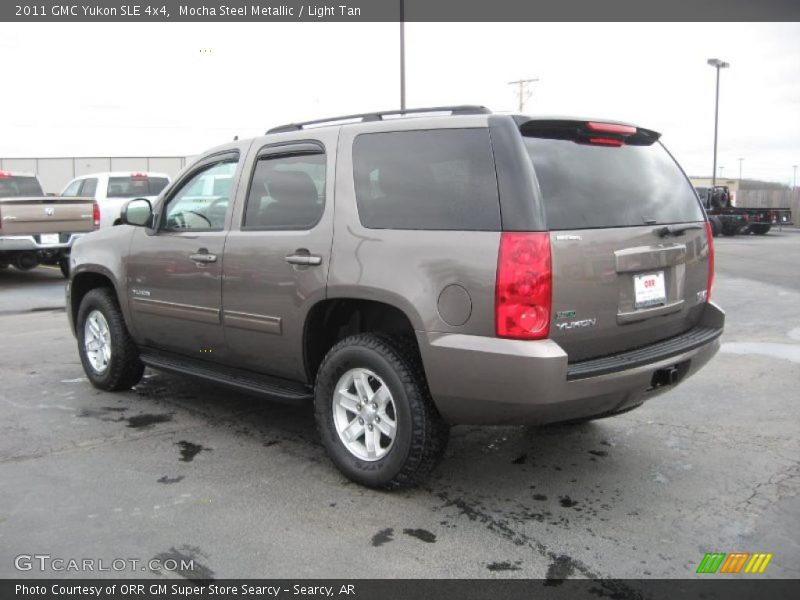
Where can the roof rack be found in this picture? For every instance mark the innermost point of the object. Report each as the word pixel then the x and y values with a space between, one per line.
pixel 380 116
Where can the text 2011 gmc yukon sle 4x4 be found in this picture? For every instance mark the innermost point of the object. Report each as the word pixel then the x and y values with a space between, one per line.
pixel 412 273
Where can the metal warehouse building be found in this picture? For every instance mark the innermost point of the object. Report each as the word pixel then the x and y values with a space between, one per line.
pixel 55 173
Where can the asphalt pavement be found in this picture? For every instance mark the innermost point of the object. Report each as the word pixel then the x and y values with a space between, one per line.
pixel 177 468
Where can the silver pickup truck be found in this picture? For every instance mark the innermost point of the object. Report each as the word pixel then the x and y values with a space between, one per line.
pixel 37 229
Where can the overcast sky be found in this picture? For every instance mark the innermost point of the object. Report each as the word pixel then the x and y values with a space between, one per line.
pixel 129 89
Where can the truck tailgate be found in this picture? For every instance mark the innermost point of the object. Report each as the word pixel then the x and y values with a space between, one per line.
pixel 25 216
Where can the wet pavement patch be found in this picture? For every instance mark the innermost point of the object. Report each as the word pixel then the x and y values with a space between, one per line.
pixel 504 566
pixel 186 555
pixel 520 460
pixel 382 537
pixel 166 479
pixel 567 502
pixel 139 421
pixel 421 534
pixel 560 569
pixel 190 450
pixel 598 452
pixel 540 497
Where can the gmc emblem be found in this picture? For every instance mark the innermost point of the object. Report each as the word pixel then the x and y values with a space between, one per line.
pixel 49 211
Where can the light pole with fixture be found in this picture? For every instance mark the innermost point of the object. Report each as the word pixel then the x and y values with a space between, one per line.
pixel 718 65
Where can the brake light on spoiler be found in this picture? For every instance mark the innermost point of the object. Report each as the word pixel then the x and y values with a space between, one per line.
pixel 616 133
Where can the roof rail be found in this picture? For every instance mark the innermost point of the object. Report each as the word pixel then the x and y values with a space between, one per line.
pixel 379 116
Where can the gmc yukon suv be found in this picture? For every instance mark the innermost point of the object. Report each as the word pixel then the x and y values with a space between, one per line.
pixel 409 271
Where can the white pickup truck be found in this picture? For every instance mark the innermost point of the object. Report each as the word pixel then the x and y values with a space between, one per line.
pixel 35 228
pixel 113 189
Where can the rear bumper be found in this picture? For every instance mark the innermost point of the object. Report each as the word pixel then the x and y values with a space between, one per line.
pixel 19 243
pixel 493 381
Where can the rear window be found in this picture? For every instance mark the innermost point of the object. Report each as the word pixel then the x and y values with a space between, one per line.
pixel 133 187
pixel 13 186
pixel 439 179
pixel 586 186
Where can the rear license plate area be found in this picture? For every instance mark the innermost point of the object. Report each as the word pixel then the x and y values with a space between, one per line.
pixel 649 290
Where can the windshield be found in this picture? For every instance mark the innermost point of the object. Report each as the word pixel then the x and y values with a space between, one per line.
pixel 14 186
pixel 133 187
pixel 587 186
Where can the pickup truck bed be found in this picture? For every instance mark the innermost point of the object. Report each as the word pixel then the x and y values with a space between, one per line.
pixel 36 230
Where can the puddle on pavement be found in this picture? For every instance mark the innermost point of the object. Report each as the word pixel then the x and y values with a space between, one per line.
pixel 790 352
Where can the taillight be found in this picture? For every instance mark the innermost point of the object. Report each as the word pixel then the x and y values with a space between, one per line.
pixel 523 293
pixel 96 215
pixel 710 242
pixel 611 128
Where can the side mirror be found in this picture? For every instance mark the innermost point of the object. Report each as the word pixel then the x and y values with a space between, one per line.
pixel 137 212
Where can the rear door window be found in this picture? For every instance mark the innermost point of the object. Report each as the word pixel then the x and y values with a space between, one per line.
pixel 587 186
pixel 89 187
pixel 286 193
pixel 135 186
pixel 440 179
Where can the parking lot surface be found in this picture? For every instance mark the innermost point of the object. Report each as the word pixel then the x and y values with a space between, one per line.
pixel 178 468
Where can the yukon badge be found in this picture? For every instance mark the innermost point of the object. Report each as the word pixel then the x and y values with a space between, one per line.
pixel 581 324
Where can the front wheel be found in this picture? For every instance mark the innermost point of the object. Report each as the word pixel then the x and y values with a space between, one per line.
pixel 109 356
pixel 760 229
pixel 375 414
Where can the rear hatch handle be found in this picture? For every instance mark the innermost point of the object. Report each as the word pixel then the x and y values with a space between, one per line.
pixel 676 230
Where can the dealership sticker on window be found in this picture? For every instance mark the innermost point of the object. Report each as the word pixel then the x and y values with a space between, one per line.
pixel 649 289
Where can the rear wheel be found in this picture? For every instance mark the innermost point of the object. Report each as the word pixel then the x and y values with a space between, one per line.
pixel 760 229
pixel 375 414
pixel 716 226
pixel 110 358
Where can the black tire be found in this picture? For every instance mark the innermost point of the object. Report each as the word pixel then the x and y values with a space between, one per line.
pixel 124 369
pixel 760 229
pixel 422 434
pixel 729 231
pixel 63 264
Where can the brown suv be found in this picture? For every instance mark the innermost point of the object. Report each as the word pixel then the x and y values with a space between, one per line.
pixel 409 274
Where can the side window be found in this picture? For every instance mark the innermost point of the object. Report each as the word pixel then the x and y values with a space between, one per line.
pixel 286 192
pixel 200 204
pixel 89 187
pixel 435 179
pixel 72 189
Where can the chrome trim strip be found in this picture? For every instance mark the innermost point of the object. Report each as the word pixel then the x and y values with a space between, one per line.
pixel 175 310
pixel 252 322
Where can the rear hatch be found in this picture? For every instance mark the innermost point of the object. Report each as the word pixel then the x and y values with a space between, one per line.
pixel 628 241
pixel 30 216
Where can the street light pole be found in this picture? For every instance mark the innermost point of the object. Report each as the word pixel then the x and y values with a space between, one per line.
pixel 740 172
pixel 718 65
pixel 402 55
pixel 794 177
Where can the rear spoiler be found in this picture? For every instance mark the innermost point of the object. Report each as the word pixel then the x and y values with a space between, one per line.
pixel 595 131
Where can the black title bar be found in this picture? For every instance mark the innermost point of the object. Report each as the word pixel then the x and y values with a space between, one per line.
pixel 389 10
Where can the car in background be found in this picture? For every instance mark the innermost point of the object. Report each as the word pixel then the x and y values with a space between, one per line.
pixel 111 190
pixel 38 229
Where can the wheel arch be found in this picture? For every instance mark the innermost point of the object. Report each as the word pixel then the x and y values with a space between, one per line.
pixel 333 319
pixel 86 279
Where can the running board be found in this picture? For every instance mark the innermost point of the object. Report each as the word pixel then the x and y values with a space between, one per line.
pixel 274 388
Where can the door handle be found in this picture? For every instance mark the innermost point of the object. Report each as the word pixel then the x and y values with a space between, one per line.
pixel 203 256
pixel 307 260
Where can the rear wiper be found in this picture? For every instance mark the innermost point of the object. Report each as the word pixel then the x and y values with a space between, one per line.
pixel 676 229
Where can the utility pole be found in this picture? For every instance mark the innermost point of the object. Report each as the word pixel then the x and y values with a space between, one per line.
pixel 718 65
pixel 794 178
pixel 740 172
pixel 402 55
pixel 523 93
